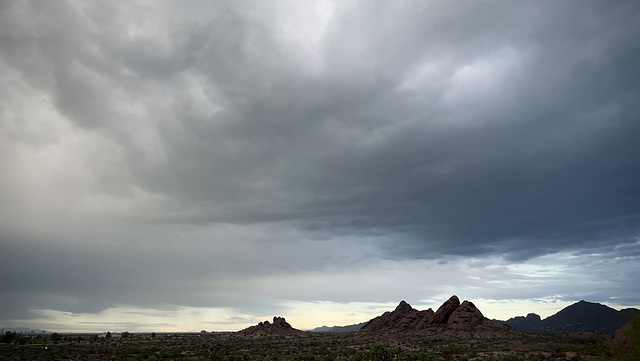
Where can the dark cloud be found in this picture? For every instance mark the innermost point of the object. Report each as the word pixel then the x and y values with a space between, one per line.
pixel 414 131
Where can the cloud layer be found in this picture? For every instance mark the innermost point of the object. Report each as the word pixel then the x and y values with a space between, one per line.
pixel 160 154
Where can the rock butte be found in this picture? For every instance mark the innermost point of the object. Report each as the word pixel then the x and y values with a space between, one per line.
pixel 279 327
pixel 452 314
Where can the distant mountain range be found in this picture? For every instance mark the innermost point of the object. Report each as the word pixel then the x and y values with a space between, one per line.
pixel 22 330
pixel 334 329
pixel 457 317
pixel 582 316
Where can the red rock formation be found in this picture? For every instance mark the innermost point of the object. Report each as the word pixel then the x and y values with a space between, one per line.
pixel 426 317
pixel 442 314
pixel 465 317
pixel 279 327
pixel 403 317
pixel 451 316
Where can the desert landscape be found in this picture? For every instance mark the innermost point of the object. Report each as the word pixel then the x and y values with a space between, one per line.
pixel 455 331
pixel 320 180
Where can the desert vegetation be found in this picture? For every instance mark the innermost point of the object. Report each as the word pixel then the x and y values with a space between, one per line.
pixel 395 345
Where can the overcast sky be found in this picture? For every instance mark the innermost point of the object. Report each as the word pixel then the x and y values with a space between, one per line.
pixel 188 165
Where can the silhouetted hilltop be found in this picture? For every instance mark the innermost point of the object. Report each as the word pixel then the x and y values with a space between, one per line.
pixel 530 323
pixel 336 329
pixel 452 318
pixel 403 317
pixel 582 316
pixel 629 313
pixel 279 327
pixel 23 330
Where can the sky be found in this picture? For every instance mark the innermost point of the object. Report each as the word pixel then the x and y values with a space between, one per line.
pixel 207 165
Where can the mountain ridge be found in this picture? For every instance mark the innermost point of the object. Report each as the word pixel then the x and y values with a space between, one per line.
pixel 452 318
pixel 581 316
pixel 337 329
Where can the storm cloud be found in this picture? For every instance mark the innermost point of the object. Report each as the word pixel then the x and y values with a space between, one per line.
pixel 187 154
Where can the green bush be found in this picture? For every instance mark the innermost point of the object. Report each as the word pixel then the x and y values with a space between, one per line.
pixel 630 351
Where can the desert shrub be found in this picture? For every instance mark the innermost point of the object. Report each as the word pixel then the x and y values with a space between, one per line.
pixel 451 350
pixel 378 353
pixel 416 356
pixel 537 358
pixel 631 349
pixel 513 357
pixel 14 337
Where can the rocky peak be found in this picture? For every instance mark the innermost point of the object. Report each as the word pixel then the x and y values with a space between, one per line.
pixel 466 316
pixel 452 316
pixel 404 316
pixel 533 317
pixel 426 316
pixel 279 327
pixel 404 307
pixel 442 314
pixel 280 321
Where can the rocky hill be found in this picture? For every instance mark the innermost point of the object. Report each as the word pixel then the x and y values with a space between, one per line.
pixel 629 313
pixel 279 327
pixel 403 317
pixel 580 317
pixel 451 317
pixel 531 323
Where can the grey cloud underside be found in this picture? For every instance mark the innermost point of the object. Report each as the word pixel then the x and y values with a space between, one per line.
pixel 545 161
pixel 156 272
pixel 414 130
